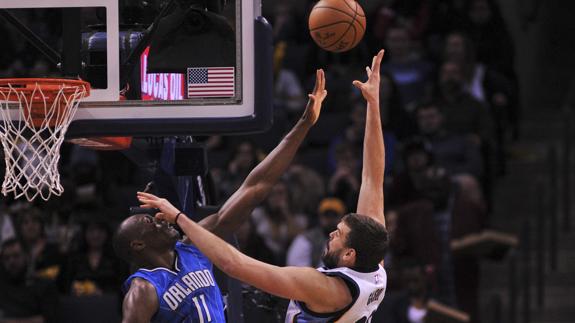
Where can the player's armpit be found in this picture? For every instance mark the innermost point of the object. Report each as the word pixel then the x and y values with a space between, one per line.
pixel 140 303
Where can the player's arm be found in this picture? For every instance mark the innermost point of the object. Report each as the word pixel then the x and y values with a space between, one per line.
pixel 140 302
pixel 263 177
pixel 307 285
pixel 371 200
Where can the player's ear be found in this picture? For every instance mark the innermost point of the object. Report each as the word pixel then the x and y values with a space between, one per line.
pixel 349 256
pixel 137 245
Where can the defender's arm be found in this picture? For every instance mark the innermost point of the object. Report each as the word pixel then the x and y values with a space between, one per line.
pixel 262 178
pixel 140 303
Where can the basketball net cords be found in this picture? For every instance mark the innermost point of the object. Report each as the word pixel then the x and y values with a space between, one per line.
pixel 32 152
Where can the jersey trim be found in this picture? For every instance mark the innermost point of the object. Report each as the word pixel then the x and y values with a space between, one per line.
pixel 353 289
pixel 164 268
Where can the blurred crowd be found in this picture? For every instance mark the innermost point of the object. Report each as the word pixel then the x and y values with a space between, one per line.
pixel 449 105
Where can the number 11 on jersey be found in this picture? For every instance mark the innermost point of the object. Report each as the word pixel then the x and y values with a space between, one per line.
pixel 208 317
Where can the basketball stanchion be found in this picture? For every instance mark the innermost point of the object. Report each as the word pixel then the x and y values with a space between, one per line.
pixel 36 113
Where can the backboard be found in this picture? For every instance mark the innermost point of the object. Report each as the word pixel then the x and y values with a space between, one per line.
pixel 160 67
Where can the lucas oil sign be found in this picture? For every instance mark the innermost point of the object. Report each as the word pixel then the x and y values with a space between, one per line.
pixel 160 86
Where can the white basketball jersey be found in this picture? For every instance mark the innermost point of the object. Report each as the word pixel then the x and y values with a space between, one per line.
pixel 367 290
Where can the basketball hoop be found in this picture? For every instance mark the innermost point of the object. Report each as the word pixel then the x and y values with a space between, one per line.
pixel 35 114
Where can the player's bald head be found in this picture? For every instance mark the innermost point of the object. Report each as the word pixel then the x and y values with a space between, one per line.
pixel 128 231
pixel 142 237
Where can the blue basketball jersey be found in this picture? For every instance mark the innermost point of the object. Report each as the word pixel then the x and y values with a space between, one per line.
pixel 189 294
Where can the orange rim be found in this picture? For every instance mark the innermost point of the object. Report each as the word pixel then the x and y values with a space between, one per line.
pixel 25 85
pixel 40 92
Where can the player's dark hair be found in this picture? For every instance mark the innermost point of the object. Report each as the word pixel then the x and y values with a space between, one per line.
pixel 369 239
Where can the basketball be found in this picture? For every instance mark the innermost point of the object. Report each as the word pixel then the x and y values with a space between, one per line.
pixel 337 25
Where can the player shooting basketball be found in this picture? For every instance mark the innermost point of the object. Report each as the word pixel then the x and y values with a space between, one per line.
pixel 175 281
pixel 352 285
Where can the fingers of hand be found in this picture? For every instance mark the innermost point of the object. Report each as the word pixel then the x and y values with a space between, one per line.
pixel 376 63
pixel 377 60
pixel 358 84
pixel 368 70
pixel 147 195
pixel 147 199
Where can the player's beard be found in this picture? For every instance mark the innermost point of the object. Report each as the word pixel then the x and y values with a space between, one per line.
pixel 330 259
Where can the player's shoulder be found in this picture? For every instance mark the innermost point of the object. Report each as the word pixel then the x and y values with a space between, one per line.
pixel 346 272
pixel 141 291
pixel 185 243
pixel 140 302
pixel 141 285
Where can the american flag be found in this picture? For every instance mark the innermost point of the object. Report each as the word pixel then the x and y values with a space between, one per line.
pixel 211 82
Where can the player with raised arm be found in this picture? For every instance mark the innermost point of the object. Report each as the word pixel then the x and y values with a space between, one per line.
pixel 352 285
pixel 174 282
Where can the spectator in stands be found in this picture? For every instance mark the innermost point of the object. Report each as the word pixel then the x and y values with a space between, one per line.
pixel 307 248
pixel 412 74
pixel 453 215
pixel 495 47
pixel 45 257
pixel 480 81
pixel 23 299
pixel 488 31
pixel 451 151
pixel 463 114
pixel 287 23
pixel 252 244
pixel 276 223
pixel 485 84
pixel 410 306
pixel 345 181
pixel 395 117
pixel 351 136
pixel 243 160
pixel 417 156
pixel 307 188
pixel 288 92
pixel 415 15
pixel 93 269
pixel 413 244
pixel 460 157
pixel 444 17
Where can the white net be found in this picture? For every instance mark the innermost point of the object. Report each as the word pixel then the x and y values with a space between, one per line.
pixel 34 123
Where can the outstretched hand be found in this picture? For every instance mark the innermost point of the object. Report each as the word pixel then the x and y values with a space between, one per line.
pixel 316 98
pixel 168 212
pixel 370 88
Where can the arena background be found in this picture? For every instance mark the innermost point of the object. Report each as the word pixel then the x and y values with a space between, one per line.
pixel 523 190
